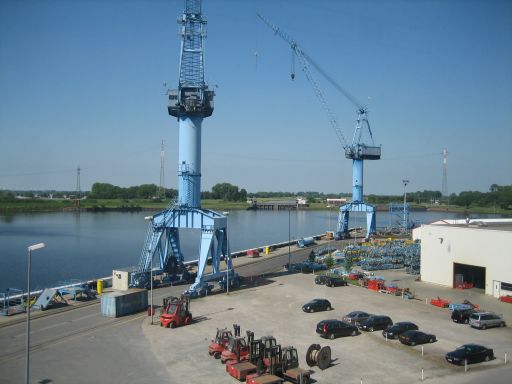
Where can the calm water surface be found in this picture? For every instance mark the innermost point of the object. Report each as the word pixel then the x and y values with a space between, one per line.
pixel 89 245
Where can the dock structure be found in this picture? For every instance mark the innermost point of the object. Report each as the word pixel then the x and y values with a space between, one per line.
pixel 277 205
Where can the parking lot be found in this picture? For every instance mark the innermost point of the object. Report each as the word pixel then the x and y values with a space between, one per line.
pixel 273 307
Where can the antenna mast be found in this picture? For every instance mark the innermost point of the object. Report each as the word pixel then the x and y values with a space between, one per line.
pixel 444 190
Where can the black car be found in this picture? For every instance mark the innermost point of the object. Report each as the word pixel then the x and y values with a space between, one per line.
pixel 335 282
pixel 462 315
pixel 416 337
pixel 355 317
pixel 375 322
pixel 470 353
pixel 334 328
pixel 321 279
pixel 396 329
pixel 317 305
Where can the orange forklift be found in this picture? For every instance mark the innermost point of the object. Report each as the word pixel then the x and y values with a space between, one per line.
pixel 284 365
pixel 258 358
pixel 176 312
pixel 220 342
pixel 237 349
pixel 240 369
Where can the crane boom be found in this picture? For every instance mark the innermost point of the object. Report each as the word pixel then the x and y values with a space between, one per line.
pixel 355 150
pixel 303 61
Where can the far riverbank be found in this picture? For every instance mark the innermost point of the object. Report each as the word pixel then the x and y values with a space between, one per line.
pixel 137 205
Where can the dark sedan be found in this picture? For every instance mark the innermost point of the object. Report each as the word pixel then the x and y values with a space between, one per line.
pixel 462 315
pixel 396 329
pixel 335 328
pixel 316 305
pixel 470 353
pixel 336 282
pixel 321 279
pixel 375 322
pixel 416 337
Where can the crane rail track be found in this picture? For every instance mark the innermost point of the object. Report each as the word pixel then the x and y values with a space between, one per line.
pixel 20 352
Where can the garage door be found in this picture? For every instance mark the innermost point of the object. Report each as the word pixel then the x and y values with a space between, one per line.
pixel 469 274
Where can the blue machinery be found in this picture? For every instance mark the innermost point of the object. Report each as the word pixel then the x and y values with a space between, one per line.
pixel 357 151
pixel 399 216
pixel 190 103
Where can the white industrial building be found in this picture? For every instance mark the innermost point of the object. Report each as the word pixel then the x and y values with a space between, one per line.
pixel 476 251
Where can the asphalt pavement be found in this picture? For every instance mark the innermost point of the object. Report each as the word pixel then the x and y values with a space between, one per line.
pixel 81 346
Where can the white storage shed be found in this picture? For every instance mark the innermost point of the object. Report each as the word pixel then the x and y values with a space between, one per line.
pixel 477 252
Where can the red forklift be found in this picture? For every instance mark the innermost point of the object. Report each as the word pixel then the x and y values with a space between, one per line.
pixel 240 369
pixel 176 312
pixel 284 365
pixel 220 342
pixel 258 358
pixel 237 349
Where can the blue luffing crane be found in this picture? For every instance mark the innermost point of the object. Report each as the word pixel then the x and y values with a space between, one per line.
pixel 190 104
pixel 357 151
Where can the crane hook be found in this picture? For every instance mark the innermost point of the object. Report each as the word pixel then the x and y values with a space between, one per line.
pixel 292 74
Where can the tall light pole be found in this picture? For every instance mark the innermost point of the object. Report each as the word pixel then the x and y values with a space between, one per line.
pixel 405 202
pixel 27 356
pixel 289 254
pixel 228 256
pixel 150 218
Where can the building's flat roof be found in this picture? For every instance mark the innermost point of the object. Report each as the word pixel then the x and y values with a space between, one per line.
pixel 488 224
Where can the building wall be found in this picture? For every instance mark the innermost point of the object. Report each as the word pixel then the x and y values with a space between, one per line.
pixel 443 245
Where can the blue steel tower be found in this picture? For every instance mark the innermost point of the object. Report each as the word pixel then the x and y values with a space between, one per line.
pixel 190 104
pixel 358 152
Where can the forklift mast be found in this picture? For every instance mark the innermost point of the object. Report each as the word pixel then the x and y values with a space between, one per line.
pixel 290 358
pixel 275 358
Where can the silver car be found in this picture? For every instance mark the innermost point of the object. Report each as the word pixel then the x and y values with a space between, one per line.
pixel 483 320
pixel 356 317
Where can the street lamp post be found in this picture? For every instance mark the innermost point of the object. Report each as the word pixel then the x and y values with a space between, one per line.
pixel 405 202
pixel 289 254
pixel 150 218
pixel 228 256
pixel 27 356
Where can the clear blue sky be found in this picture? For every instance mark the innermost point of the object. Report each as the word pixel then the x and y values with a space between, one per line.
pixel 81 83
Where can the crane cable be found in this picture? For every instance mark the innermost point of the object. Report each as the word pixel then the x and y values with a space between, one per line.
pixel 304 59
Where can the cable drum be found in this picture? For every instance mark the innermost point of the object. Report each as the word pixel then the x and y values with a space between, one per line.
pixel 318 356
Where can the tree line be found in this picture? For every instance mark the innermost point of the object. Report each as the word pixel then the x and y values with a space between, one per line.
pixel 498 196
pixel 221 191
pixel 144 191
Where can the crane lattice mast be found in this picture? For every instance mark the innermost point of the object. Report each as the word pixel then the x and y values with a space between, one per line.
pixel 190 104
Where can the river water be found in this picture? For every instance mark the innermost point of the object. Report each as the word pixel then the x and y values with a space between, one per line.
pixel 90 245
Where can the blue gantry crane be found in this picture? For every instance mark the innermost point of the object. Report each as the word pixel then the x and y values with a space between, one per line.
pixel 357 150
pixel 190 104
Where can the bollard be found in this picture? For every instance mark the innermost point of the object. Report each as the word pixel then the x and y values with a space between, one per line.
pixel 422 377
pixel 386 337
pixel 426 300
pixel 361 380
pixel 99 286
pixel 465 365
pixel 505 357
pixel 422 350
